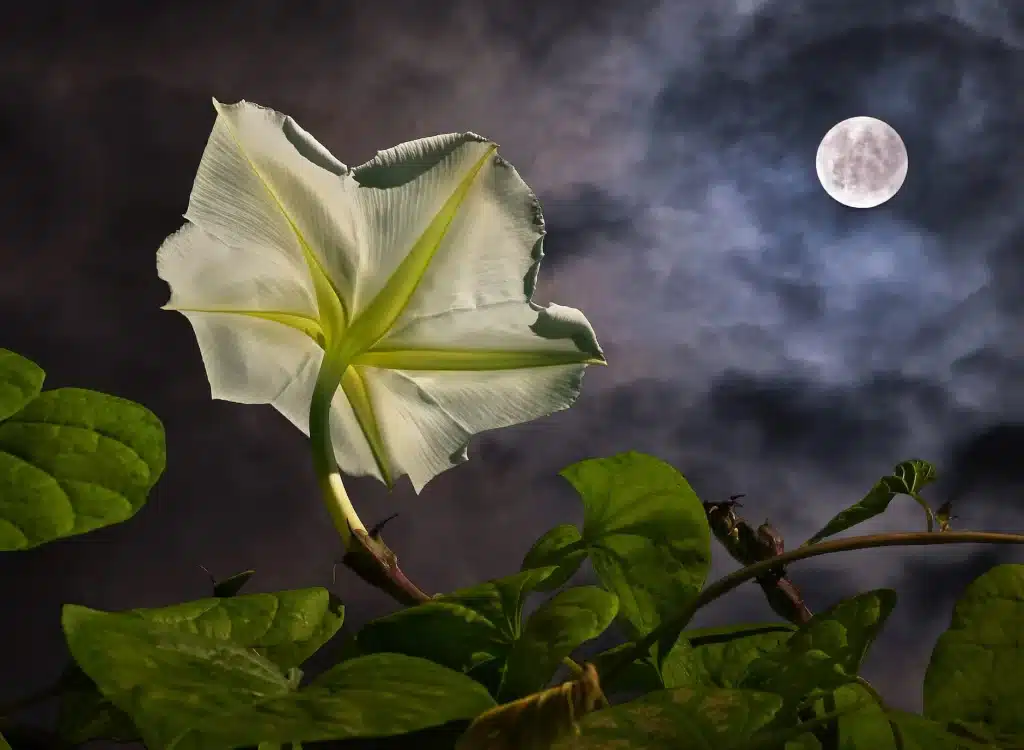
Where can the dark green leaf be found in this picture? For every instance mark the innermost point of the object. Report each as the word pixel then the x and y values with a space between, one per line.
pixel 680 719
pixel 231 585
pixel 725 653
pixel 873 727
pixel 3 743
pixel 194 692
pixel 907 478
pixel 803 742
pixel 985 736
pixel 470 630
pixel 825 652
pixel 679 668
pixel 645 532
pixel 708 657
pixel 501 600
pixel 562 546
pixel 554 631
pixel 865 726
pixel 640 676
pixel 286 627
pixel 976 673
pixel 85 715
pixel 21 380
pixel 72 461
pixel 920 733
pixel 447 633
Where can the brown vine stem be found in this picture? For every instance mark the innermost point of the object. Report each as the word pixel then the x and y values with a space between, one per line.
pixel 668 632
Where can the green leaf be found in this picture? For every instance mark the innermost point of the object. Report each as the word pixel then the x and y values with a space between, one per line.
pixel 907 478
pixel 72 461
pixel 679 668
pixel 680 719
pixel 640 676
pixel 865 726
pixel 644 530
pixel 501 600
pixel 231 585
pixel 976 672
pixel 826 651
pixel 85 715
pixel 920 733
pixel 554 631
pixel 708 657
pixel 562 546
pixel 447 633
pixel 873 727
pixel 468 629
pixel 286 627
pixel 193 692
pixel 725 653
pixel 21 380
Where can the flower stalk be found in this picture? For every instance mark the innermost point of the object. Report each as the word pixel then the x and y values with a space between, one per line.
pixel 366 554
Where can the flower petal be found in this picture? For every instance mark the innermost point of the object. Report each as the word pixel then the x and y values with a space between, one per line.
pixel 462 372
pixel 502 335
pixel 355 432
pixel 206 275
pixel 265 185
pixel 449 225
pixel 428 418
pixel 255 361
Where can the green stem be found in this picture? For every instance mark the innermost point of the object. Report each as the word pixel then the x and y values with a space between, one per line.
pixel 365 552
pixel 575 669
pixel 339 504
pixel 667 633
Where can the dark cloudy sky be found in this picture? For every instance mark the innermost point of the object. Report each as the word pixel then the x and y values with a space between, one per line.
pixel 761 337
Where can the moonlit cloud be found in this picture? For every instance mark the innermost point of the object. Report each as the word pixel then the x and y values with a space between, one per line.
pixel 761 337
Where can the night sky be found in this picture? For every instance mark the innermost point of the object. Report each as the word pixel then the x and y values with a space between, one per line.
pixel 760 337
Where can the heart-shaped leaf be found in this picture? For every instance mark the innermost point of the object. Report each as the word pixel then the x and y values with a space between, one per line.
pixel 644 530
pixel 72 461
pixel 551 633
pixel 287 627
pixel 976 673
pixel 920 733
pixel 825 652
pixel 562 544
pixel 680 719
pixel 702 657
pixel 194 692
pixel 907 478
pixel 723 654
pixel 85 714
pixel 479 630
pixel 21 380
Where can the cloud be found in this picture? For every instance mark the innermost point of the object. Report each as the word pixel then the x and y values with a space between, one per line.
pixel 760 337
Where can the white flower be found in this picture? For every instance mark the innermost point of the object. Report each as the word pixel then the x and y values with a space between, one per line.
pixel 412 273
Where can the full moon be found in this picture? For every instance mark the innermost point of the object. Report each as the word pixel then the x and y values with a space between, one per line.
pixel 861 162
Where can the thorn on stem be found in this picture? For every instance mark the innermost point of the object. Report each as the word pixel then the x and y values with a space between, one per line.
pixel 379 526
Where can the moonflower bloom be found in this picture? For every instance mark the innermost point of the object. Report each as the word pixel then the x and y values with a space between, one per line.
pixel 385 310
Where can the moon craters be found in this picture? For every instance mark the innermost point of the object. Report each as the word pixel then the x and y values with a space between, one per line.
pixel 862 162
